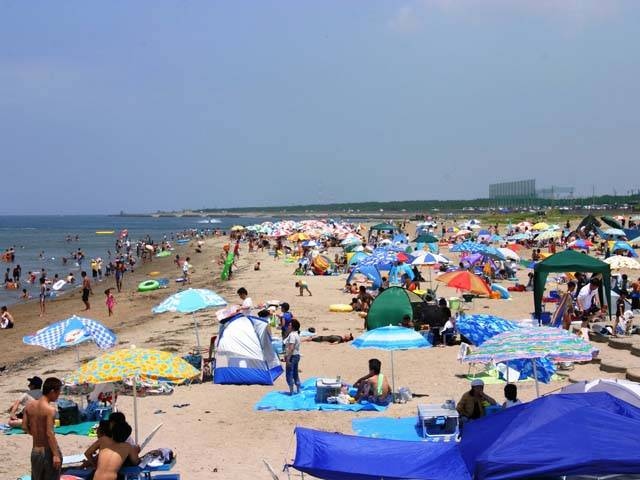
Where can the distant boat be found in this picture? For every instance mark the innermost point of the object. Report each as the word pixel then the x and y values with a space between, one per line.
pixel 209 220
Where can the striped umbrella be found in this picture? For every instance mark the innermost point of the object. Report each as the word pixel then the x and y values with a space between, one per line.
pixel 429 258
pixel 465 280
pixel 391 338
pixel 533 342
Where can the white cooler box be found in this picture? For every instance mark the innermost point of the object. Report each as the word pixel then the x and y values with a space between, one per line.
pixel 438 423
pixel 327 387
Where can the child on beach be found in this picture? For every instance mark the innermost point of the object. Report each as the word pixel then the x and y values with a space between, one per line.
pixel 110 300
pixel 302 285
pixel 285 319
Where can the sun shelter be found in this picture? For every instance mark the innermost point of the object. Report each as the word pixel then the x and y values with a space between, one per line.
pixel 244 353
pixel 569 261
pixel 391 305
pixel 383 227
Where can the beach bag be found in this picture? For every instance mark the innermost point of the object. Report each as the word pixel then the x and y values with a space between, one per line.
pixel 68 412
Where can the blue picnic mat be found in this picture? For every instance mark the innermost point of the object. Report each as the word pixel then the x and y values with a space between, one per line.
pixel 78 429
pixel 306 400
pixel 405 428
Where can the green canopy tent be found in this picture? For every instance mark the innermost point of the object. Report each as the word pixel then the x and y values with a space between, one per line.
pixel 588 223
pixel 383 227
pixel 569 261
pixel 391 305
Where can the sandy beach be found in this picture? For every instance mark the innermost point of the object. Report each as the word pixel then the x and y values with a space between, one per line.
pixel 219 434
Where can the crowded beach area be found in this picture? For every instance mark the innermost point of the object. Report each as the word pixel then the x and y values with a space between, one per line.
pixel 439 347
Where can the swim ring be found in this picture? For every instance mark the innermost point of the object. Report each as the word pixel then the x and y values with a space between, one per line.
pixel 154 273
pixel 148 285
pixel 340 307
pixel 58 285
pixel 504 293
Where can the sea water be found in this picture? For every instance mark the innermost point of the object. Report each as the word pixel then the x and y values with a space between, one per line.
pixel 32 235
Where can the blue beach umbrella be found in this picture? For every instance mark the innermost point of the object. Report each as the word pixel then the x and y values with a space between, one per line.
pixel 72 332
pixel 391 338
pixel 357 258
pixel 624 246
pixel 190 301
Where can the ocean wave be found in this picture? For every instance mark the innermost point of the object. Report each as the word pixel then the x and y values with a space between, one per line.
pixel 210 220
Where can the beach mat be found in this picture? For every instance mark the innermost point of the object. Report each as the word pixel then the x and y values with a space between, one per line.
pixel 306 400
pixel 390 428
pixel 78 429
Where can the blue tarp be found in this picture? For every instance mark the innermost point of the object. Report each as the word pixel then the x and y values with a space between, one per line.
pixel 569 434
pixel 306 400
pixel 405 428
pixel 333 456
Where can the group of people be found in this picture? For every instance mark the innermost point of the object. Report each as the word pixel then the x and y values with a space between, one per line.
pixel 35 412
pixel 474 402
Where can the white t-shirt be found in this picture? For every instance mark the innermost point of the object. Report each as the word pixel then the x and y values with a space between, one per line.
pixel 511 403
pixel 247 305
pixel 293 339
pixel 449 325
pixel 586 297
pixel 185 267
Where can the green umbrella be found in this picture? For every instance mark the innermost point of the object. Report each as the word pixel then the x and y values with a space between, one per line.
pixel 426 238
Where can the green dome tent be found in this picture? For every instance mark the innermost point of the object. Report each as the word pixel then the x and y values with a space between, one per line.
pixel 391 305
pixel 569 261
pixel 383 227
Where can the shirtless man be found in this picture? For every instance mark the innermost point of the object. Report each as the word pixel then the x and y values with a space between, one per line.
pixel 373 386
pixel 113 451
pixel 38 420
pixel 86 289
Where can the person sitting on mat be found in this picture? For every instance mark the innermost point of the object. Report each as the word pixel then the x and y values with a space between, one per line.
pixel 373 387
pixel 471 405
pixel 114 450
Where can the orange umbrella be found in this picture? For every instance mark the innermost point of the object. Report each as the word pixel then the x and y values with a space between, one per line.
pixel 465 280
pixel 516 247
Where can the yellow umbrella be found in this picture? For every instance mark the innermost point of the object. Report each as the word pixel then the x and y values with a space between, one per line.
pixel 540 226
pixel 298 237
pixel 135 364
pixel 237 228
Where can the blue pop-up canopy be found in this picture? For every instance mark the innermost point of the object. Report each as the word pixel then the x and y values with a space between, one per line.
pixel 333 456
pixel 569 434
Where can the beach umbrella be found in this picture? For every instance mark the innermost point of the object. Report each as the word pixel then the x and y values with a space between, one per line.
pixel 465 280
pixel 612 222
pixel 357 257
pixel 425 238
pixel 540 226
pixel 614 232
pixel 298 237
pixel 523 225
pixel 581 244
pixel 190 301
pixel 620 262
pixel 309 243
pixel 237 228
pixel 555 344
pixel 549 234
pixel 428 258
pixel 520 236
pixel 391 338
pixel 507 253
pixel 516 247
pixel 70 333
pixel 135 364
pixel 479 328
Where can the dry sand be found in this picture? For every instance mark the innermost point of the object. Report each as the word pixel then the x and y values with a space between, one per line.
pixel 219 431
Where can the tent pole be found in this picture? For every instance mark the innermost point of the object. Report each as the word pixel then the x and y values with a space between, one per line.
pixel 535 377
pixel 195 326
pixel 135 408
pixel 393 381
pixel 507 363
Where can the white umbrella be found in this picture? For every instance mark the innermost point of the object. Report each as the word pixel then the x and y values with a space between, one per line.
pixel 509 254
pixel 620 262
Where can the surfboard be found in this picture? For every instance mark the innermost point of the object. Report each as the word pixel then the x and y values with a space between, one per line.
pixel 58 285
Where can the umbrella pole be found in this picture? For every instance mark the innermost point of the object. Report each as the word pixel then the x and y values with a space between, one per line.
pixel 393 381
pixel 195 326
pixel 135 409
pixel 535 377
pixel 78 355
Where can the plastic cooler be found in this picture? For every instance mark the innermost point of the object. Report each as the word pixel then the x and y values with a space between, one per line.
pixel 327 387
pixel 438 423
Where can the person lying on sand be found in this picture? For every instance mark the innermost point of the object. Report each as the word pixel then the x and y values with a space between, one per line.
pixel 329 338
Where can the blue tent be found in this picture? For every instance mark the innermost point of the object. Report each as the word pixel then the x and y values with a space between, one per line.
pixel 245 354
pixel 369 271
pixel 334 456
pixel 569 434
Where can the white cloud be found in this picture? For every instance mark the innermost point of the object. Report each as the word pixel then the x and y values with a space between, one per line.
pixel 407 19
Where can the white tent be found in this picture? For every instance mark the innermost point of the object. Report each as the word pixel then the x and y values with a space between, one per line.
pixel 244 353
pixel 622 389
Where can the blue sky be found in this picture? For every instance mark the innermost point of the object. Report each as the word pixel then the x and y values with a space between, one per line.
pixel 145 105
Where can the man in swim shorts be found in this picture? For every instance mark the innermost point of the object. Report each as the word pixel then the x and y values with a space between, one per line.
pixel 38 420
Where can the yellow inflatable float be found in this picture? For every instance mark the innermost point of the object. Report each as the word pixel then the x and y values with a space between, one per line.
pixel 340 307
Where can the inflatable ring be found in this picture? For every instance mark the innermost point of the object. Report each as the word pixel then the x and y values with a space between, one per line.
pixel 340 307
pixel 499 289
pixel 155 273
pixel 148 285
